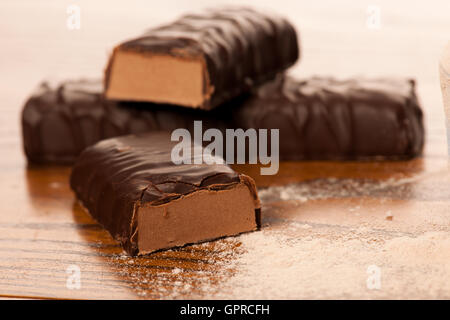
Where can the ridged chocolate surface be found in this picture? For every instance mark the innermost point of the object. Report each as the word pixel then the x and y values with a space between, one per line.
pixel 325 118
pixel 58 122
pixel 318 118
pixel 116 176
pixel 242 47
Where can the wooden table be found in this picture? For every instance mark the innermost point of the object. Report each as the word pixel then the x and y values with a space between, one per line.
pixel 395 206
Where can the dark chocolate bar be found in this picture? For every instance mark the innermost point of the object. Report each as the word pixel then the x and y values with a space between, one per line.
pixel 202 60
pixel 326 119
pixel 131 186
pixel 319 119
pixel 59 122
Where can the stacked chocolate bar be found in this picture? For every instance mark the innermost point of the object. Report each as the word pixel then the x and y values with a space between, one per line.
pixel 225 68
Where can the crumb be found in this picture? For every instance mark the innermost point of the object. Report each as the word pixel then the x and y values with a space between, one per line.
pixel 389 216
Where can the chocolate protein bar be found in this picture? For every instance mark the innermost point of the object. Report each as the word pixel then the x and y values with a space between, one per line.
pixel 326 119
pixel 202 60
pixel 60 121
pixel 318 118
pixel 131 187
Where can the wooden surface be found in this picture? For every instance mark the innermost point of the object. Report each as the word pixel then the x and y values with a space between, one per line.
pixel 43 230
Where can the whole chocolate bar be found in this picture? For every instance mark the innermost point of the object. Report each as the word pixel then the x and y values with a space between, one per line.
pixel 327 119
pixel 318 118
pixel 131 186
pixel 59 122
pixel 202 60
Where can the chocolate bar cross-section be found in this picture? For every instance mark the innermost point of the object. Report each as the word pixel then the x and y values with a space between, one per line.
pixel 131 187
pixel 202 60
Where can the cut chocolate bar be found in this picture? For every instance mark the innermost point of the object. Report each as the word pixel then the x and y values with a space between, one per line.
pixel 202 60
pixel 58 122
pixel 326 119
pixel 131 186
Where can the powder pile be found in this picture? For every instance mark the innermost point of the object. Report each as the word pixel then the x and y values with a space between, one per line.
pixel 277 266
pixel 301 260
pixel 341 188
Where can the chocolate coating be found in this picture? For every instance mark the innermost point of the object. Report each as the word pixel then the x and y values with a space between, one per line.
pixel 325 118
pixel 318 118
pixel 116 176
pixel 242 48
pixel 59 122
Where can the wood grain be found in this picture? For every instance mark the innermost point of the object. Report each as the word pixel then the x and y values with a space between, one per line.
pixel 43 230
